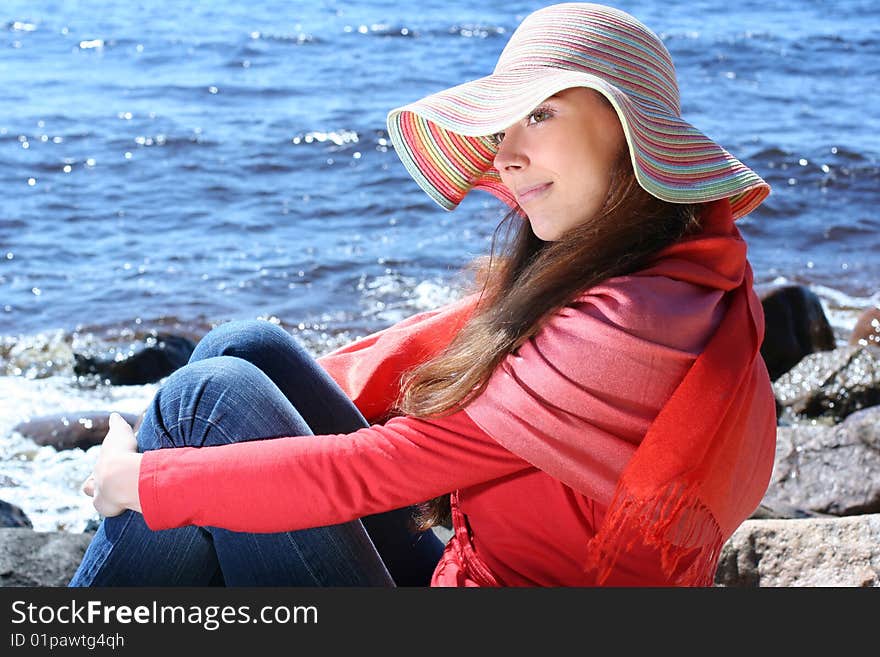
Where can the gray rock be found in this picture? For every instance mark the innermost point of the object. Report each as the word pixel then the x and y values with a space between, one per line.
pixel 29 558
pixel 831 384
pixel 829 470
pixel 813 552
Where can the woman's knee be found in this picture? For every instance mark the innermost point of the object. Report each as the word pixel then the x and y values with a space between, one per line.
pixel 212 401
pixel 250 339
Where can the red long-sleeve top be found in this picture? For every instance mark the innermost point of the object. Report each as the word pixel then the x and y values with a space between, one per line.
pixel 514 525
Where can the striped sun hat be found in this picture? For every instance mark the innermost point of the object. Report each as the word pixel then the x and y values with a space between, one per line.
pixel 444 140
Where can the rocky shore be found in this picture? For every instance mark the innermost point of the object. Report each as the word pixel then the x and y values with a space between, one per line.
pixel 819 522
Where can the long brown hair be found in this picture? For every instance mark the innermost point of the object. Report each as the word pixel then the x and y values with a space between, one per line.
pixel 526 284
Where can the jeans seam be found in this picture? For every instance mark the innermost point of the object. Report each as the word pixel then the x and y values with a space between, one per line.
pixel 305 562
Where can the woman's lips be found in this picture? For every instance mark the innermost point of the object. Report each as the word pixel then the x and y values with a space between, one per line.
pixel 531 193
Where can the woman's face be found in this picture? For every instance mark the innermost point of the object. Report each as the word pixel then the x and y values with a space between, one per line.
pixel 558 161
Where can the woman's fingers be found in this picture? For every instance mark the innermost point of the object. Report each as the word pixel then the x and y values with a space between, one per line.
pixel 121 435
pixel 120 438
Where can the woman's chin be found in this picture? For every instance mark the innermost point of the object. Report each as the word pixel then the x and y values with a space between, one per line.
pixel 544 233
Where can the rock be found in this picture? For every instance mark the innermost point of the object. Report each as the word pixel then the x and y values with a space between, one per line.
pixel 13 516
pixel 830 470
pixel 779 510
pixel 867 329
pixel 163 355
pixel 795 326
pixel 831 384
pixel 29 558
pixel 815 552
pixel 70 430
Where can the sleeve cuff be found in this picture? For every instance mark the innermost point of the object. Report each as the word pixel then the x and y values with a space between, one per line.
pixel 148 490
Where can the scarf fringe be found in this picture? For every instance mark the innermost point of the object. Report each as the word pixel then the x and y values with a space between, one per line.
pixel 673 520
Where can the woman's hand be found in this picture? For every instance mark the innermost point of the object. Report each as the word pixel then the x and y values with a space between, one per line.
pixel 114 481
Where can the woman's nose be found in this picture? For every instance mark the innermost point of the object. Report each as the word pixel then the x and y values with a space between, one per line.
pixel 510 154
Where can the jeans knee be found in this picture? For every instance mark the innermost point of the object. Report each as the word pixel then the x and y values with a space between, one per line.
pixel 198 403
pixel 249 339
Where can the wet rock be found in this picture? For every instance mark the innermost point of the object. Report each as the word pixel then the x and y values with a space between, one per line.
pixel 831 384
pixel 70 430
pixel 816 552
pixel 13 516
pixel 29 558
pixel 867 329
pixel 160 357
pixel 795 326
pixel 829 470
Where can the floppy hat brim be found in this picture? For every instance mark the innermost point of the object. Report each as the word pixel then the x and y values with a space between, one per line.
pixel 444 142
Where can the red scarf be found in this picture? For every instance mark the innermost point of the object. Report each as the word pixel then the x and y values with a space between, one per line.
pixel 679 491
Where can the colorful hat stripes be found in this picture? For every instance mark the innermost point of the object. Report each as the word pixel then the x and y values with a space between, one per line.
pixel 443 139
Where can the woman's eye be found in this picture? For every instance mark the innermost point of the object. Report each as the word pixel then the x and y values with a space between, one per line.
pixel 539 115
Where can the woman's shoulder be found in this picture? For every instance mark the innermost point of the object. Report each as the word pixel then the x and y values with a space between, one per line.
pixel 654 308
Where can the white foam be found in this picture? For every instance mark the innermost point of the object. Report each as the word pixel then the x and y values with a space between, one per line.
pixel 41 480
pixel 392 297
pixel 428 295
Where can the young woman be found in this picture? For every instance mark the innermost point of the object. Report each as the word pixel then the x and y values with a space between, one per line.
pixel 595 411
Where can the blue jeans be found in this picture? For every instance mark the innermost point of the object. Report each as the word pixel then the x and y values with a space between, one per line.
pixel 249 380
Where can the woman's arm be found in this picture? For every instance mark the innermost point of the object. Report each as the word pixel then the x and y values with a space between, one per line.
pixel 294 483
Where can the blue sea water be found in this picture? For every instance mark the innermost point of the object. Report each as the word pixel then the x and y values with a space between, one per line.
pixel 169 165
